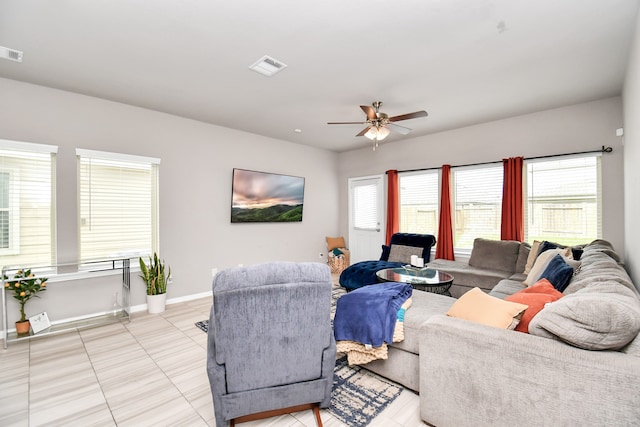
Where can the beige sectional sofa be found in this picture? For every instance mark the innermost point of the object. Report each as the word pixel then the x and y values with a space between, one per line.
pixel 579 365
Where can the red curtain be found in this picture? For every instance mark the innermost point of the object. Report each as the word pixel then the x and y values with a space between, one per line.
pixel 393 220
pixel 512 200
pixel 444 246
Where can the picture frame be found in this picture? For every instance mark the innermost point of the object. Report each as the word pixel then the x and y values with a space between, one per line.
pixel 266 197
pixel 39 322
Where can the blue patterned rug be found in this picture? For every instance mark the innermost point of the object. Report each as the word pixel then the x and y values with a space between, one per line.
pixel 358 396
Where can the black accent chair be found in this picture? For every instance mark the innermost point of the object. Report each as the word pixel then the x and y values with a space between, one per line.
pixel 364 272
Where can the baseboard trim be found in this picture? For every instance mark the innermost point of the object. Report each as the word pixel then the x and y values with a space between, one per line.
pixel 143 307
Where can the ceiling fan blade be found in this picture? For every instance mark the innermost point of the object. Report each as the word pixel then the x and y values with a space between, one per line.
pixel 370 112
pixel 408 116
pixel 363 131
pixel 400 129
pixel 346 123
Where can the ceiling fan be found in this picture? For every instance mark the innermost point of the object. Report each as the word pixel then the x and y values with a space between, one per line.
pixel 380 124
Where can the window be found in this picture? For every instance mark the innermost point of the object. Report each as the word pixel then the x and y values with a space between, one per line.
pixel 5 226
pixel 563 200
pixel 365 203
pixel 477 194
pixel 27 204
pixel 419 202
pixel 118 205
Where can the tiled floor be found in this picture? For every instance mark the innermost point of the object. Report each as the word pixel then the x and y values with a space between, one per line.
pixel 149 372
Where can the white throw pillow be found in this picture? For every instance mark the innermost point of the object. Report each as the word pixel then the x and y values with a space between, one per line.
pixel 542 262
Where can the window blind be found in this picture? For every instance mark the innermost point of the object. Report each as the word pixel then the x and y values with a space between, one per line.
pixel 365 207
pixel 563 200
pixel 477 195
pixel 27 204
pixel 118 205
pixel 419 202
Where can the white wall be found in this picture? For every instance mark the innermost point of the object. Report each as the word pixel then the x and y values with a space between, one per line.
pixel 631 97
pixel 195 184
pixel 576 128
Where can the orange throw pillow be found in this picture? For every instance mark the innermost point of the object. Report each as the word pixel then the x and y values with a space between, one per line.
pixel 335 242
pixel 477 306
pixel 535 296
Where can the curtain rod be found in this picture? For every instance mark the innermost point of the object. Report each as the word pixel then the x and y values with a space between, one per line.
pixel 602 150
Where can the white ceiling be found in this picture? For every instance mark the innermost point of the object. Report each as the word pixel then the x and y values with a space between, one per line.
pixel 464 61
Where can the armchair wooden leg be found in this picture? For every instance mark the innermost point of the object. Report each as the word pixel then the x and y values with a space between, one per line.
pixel 315 407
pixel 316 411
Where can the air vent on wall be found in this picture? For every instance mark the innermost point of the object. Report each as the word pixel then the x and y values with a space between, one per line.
pixel 10 54
pixel 268 66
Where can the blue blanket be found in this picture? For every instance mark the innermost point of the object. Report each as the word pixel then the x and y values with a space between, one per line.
pixel 368 314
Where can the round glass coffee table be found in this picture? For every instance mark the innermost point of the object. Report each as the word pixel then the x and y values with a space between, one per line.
pixel 422 279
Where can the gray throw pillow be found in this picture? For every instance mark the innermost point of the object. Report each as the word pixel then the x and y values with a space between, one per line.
pixel 495 254
pixel 402 253
pixel 523 256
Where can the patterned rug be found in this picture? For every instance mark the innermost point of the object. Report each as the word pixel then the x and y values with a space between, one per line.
pixel 358 396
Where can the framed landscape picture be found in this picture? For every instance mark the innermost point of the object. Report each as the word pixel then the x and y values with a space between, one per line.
pixel 266 197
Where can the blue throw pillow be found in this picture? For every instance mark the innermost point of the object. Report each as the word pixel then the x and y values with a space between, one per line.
pixel 558 272
pixel 545 246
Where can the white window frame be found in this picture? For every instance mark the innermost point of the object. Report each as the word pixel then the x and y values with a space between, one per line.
pixel 438 176
pixel 121 159
pixel 14 212
pixel 25 150
pixel 560 239
pixel 454 202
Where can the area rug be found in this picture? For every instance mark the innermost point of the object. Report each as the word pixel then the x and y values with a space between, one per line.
pixel 203 325
pixel 358 396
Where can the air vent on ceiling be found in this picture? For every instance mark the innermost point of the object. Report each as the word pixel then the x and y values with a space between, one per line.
pixel 10 54
pixel 268 66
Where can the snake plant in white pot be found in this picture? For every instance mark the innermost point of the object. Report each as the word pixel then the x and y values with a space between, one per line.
pixel 156 277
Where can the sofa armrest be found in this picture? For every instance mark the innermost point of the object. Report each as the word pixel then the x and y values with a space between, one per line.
pixel 471 374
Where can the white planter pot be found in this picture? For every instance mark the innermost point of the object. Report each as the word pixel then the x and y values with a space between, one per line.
pixel 156 303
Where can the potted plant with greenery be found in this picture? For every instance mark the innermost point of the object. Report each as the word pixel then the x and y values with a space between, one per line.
pixel 24 286
pixel 156 277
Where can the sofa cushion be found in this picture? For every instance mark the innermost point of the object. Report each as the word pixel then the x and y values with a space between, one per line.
pixel 604 319
pixel 507 287
pixel 402 253
pixel 523 256
pixel 495 254
pixel 465 275
pixel 576 251
pixel 480 307
pixel 545 245
pixel 423 306
pixel 601 306
pixel 558 273
pixel 541 263
pixel 536 296
pixel 533 254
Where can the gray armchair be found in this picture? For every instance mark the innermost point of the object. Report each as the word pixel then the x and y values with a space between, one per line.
pixel 270 343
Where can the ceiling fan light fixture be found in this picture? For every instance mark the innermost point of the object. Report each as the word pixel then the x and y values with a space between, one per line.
pixel 377 133
pixel 372 133
pixel 383 132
